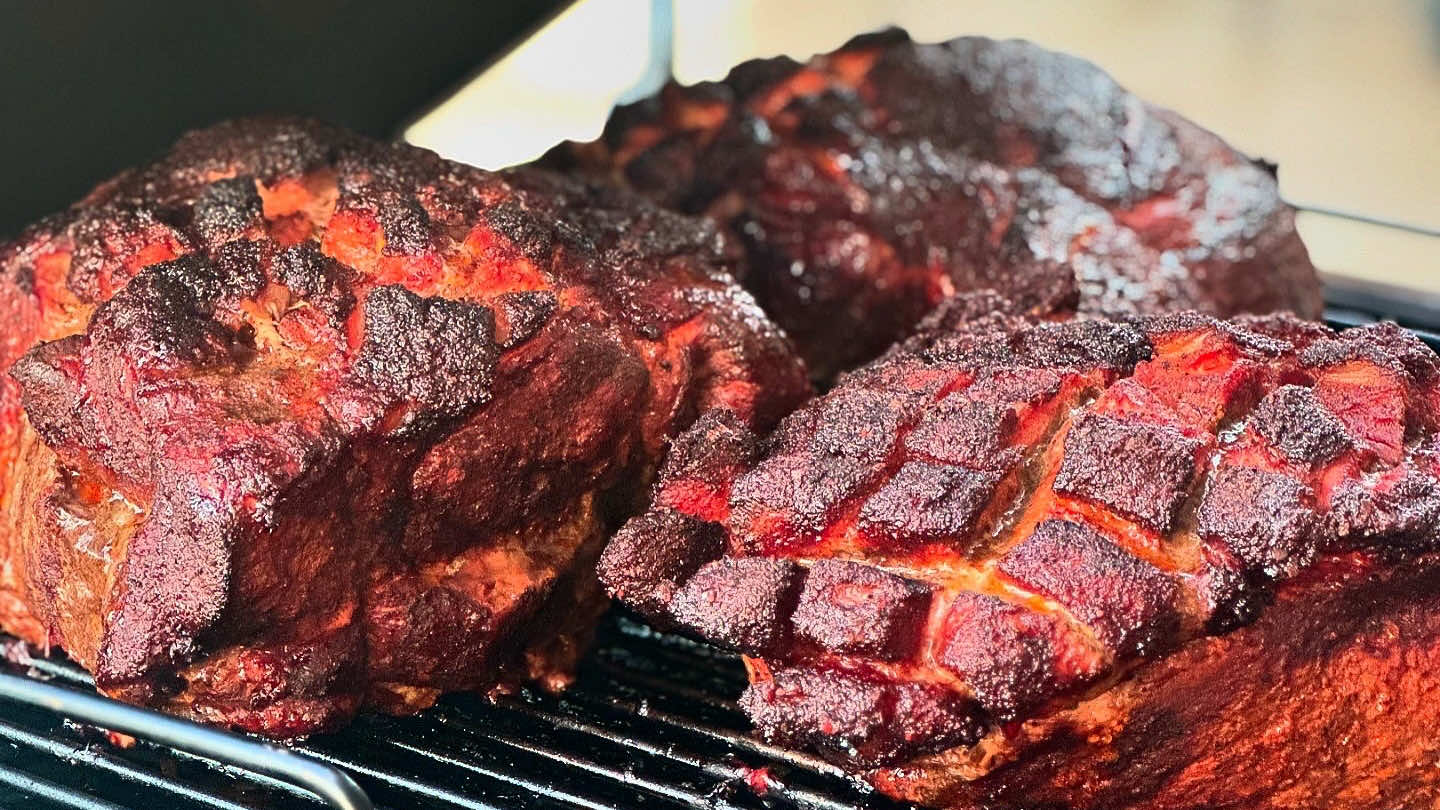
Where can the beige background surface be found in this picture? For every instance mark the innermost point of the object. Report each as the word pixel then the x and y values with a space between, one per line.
pixel 1345 96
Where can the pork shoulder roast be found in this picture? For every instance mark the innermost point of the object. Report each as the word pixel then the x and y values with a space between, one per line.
pixel 300 422
pixel 1175 562
pixel 869 183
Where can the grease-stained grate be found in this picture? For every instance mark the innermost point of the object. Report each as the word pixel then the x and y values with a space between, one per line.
pixel 650 723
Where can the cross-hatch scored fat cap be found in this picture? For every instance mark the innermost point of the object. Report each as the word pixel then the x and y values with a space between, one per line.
pixel 985 526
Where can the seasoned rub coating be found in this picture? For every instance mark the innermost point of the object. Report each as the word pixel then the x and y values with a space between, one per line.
pixel 871 182
pixel 987 545
pixel 312 422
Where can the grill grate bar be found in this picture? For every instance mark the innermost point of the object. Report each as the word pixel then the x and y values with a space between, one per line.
pixel 1366 219
pixel 237 773
pixel 643 683
pixel 659 758
pixel 43 789
pixel 501 761
pixel 538 788
pixel 94 758
pixel 61 669
pixel 416 787
pixel 726 773
pixel 708 676
pixel 624 711
pixel 585 765
pixel 703 758
pixel 335 787
pixel 510 746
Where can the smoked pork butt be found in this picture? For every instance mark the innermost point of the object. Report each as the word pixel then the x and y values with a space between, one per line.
pixel 298 422
pixel 871 182
pixel 1175 562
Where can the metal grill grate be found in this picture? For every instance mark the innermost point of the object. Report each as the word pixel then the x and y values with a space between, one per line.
pixel 650 723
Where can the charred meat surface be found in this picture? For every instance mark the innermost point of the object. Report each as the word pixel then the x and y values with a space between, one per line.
pixel 970 570
pixel 298 422
pixel 871 182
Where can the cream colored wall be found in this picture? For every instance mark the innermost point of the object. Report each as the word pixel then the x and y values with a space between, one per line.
pixel 1345 96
